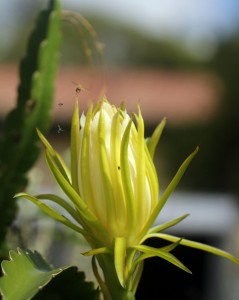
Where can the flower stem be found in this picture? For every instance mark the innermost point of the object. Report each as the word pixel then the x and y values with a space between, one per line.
pixel 115 291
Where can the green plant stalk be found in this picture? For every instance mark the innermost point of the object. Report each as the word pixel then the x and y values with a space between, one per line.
pixel 114 291
pixel 19 147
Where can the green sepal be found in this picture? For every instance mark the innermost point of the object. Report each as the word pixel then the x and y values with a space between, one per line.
pixel 167 248
pixel 161 252
pixel 119 258
pixel 52 213
pixel 84 167
pixel 105 171
pixel 176 179
pixel 68 189
pixel 199 246
pixel 125 175
pixel 167 225
pixel 117 185
pixel 154 139
pixel 75 146
pixel 88 219
pixel 152 177
pixel 62 202
pixel 170 188
pixel 56 157
pixel 96 251
pixel 139 185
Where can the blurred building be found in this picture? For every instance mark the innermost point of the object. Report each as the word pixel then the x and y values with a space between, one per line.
pixel 182 97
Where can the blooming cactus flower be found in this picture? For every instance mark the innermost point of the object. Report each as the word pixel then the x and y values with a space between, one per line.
pixel 113 195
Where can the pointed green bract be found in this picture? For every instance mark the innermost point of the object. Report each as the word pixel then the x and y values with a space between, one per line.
pixel 126 181
pixel 105 172
pixel 147 254
pixel 118 190
pixel 51 212
pixel 167 224
pixel 154 139
pixel 66 187
pixel 119 258
pixel 150 252
pixel 198 246
pixel 75 147
pixel 56 157
pixel 61 202
pixel 85 175
pixel 152 178
pixel 92 252
pixel 173 184
pixel 140 184
pixel 171 246
pixel 170 188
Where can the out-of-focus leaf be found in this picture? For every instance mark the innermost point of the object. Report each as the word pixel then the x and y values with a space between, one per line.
pixel 19 147
pixel 25 274
pixel 68 285
pixel 154 139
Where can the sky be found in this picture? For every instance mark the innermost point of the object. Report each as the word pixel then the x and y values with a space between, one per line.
pixel 198 24
pixel 194 18
pixel 193 21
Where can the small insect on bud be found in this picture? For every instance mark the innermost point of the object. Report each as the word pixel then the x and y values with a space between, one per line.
pixel 79 88
pixel 60 129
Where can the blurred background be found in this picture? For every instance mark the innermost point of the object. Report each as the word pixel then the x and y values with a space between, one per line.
pixel 179 60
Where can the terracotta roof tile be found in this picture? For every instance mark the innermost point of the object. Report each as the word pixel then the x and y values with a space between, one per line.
pixel 179 96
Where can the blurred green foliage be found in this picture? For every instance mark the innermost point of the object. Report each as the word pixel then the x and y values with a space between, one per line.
pixel 38 279
pixel 19 147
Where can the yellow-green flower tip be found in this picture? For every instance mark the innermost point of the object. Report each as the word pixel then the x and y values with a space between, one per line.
pixel 117 179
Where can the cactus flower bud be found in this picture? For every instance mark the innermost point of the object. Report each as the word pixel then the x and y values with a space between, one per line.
pixel 113 195
pixel 117 178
